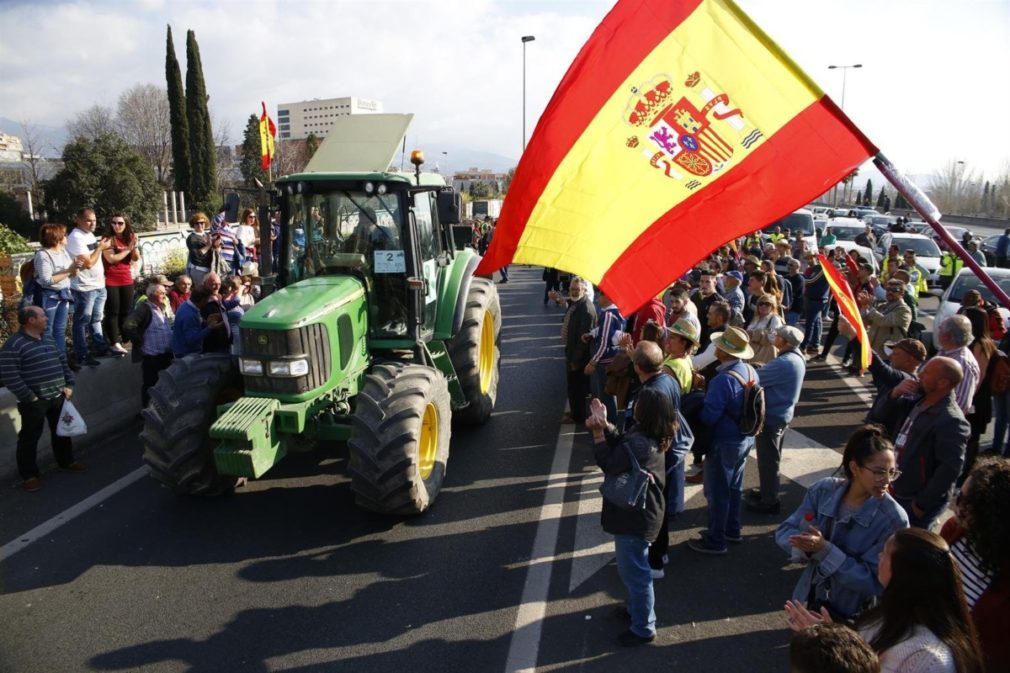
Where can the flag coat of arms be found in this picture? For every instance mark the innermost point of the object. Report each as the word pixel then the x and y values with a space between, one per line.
pixel 267 134
pixel 679 127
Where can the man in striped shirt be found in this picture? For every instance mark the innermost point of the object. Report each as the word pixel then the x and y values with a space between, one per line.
pixel 604 347
pixel 37 373
pixel 954 335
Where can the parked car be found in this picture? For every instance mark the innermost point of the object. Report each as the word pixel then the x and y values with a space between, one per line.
pixel 846 230
pixel 927 253
pixel 802 220
pixel 988 248
pixel 966 280
pixel 880 224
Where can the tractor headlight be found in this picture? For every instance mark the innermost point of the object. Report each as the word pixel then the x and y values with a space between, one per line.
pixel 251 367
pixel 289 368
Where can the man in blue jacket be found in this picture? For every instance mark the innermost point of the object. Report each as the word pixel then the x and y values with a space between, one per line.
pixel 729 447
pixel 782 380
pixel 190 328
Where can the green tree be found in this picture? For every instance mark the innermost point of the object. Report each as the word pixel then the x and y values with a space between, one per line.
pixel 311 145
pixel 480 190
pixel 177 116
pixel 900 203
pixel 202 154
pixel 507 182
pixel 108 175
pixel 880 200
pixel 14 217
pixel 251 153
pixel 868 193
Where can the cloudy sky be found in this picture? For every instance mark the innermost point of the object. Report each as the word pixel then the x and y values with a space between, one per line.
pixel 932 89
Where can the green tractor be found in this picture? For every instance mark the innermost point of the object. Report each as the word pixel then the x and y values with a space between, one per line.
pixel 374 331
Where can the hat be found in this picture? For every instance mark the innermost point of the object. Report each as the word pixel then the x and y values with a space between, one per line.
pixel 687 329
pixel 790 334
pixel 160 279
pixel 735 342
pixel 735 274
pixel 752 259
pixel 913 347
pixel 250 269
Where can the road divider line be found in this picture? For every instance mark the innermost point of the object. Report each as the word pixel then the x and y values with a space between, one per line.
pixel 43 529
pixel 525 644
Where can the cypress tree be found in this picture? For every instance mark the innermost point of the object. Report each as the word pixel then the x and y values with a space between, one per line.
pixel 868 194
pixel 880 199
pixel 177 117
pixel 251 153
pixel 202 153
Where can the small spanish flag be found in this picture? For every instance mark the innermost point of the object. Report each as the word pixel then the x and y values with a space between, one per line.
pixel 267 134
pixel 849 308
pixel 679 126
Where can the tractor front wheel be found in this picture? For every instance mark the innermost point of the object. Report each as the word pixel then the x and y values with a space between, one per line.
pixel 475 354
pixel 399 443
pixel 177 446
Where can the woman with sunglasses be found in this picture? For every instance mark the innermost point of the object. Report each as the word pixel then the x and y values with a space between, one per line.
pixel 842 525
pixel 199 245
pixel 119 279
pixel 762 328
pixel 248 233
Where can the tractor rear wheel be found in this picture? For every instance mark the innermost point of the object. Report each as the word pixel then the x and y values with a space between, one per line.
pixel 399 443
pixel 475 354
pixel 177 446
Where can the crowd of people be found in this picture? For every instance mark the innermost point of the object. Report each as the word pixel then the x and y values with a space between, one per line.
pixel 728 346
pixel 94 277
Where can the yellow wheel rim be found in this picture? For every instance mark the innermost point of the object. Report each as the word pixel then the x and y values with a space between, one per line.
pixel 427 443
pixel 486 352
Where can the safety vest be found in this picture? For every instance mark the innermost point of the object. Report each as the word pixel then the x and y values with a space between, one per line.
pixel 950 264
pixel 774 238
pixel 918 279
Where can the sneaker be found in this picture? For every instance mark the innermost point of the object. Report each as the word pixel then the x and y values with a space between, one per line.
pixel 92 362
pixel 631 639
pixel 657 573
pixel 702 546
pixel 73 467
pixel 31 484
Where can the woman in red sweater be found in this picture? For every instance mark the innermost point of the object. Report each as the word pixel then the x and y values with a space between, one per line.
pixel 119 279
pixel 979 539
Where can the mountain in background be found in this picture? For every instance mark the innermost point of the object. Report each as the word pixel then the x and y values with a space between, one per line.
pixel 52 138
pixel 458 159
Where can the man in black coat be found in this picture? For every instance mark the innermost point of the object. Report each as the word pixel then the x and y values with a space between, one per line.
pixel 579 319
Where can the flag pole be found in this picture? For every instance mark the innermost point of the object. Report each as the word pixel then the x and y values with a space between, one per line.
pixel 922 205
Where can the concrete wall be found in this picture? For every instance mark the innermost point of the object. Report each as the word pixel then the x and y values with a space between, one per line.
pixel 108 397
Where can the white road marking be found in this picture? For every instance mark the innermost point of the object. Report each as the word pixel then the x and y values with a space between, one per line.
pixel 525 644
pixel 43 529
pixel 593 546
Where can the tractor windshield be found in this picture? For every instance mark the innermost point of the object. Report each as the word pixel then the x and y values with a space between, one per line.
pixel 342 229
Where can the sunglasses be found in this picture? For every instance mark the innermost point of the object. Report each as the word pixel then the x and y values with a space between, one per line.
pixel 118 223
pixel 765 303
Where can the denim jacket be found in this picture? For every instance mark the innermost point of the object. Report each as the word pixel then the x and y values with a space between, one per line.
pixel 849 561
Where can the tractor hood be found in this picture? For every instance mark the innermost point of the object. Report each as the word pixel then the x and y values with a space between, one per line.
pixel 303 303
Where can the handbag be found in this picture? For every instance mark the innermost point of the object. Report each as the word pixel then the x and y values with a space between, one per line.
pixel 627 490
pixel 71 422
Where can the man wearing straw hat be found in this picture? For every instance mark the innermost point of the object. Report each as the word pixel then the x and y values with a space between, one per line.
pixel 727 454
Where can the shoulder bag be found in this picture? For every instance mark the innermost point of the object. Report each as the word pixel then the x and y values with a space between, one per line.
pixel 627 490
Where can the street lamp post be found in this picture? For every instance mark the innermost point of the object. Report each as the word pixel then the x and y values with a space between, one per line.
pixel 845 70
pixel 526 38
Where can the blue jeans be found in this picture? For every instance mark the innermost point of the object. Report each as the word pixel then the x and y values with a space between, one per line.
pixel 674 485
pixel 88 309
pixel 792 317
pixel 723 488
pixel 633 567
pixel 1001 414
pixel 812 335
pixel 58 312
pixel 597 383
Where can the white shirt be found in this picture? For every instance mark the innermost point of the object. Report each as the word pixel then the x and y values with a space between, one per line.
pixel 921 652
pixel 81 242
pixel 246 234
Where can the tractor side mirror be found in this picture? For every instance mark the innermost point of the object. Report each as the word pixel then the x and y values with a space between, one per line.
pixel 449 206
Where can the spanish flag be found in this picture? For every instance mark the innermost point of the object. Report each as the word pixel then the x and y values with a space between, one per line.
pixel 849 308
pixel 267 134
pixel 679 126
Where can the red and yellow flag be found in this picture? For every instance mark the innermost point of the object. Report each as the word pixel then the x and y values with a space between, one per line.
pixel 849 308
pixel 267 134
pixel 678 127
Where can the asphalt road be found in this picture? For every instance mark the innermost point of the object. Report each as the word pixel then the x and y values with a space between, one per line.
pixel 507 569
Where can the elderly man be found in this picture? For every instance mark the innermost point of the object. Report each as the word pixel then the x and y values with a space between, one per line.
pixel 731 282
pixel 906 356
pixel 149 327
pixel 889 321
pixel 191 328
pixel 782 380
pixel 36 372
pixel 954 335
pixel 580 318
pixel 931 439
pixel 728 450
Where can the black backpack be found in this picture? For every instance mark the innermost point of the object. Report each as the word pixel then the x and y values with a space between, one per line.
pixel 752 416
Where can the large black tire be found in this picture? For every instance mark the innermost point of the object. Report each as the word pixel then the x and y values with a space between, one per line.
pixel 476 368
pixel 399 443
pixel 183 406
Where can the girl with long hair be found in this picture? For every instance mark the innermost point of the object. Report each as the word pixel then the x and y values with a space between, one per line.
pixel 119 279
